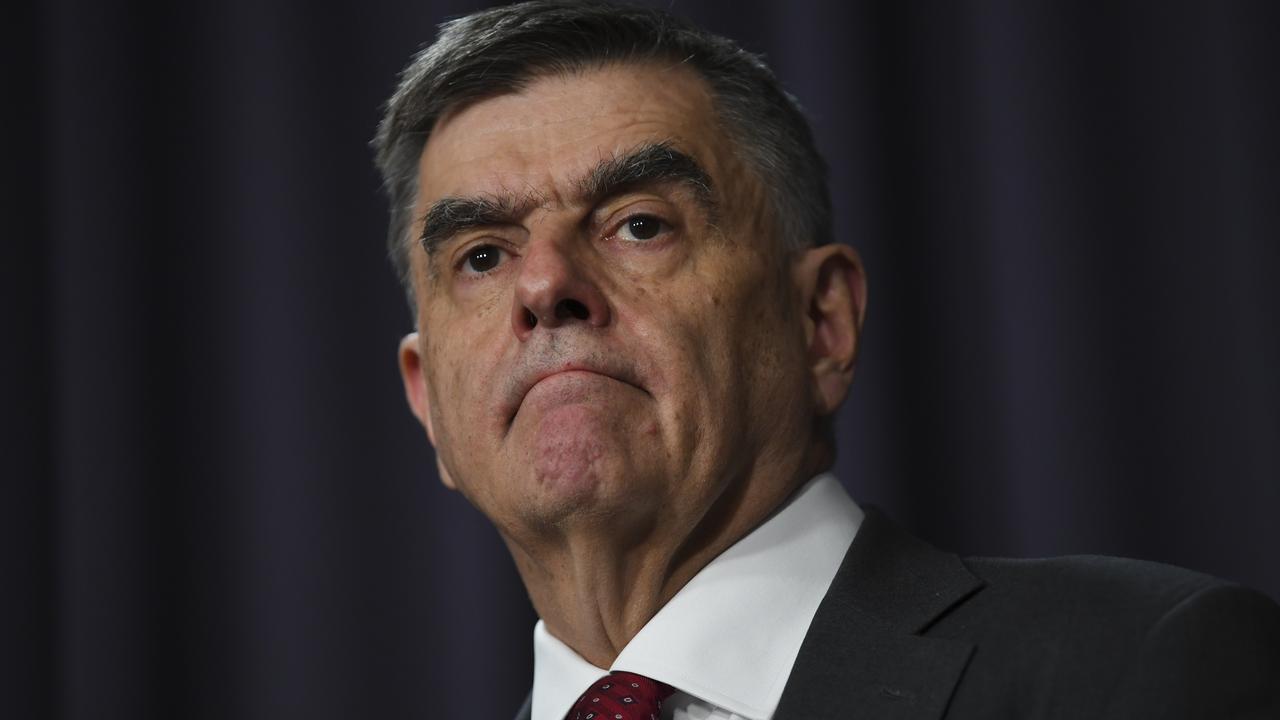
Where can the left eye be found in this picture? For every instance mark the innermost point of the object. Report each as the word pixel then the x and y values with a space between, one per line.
pixel 641 228
pixel 481 259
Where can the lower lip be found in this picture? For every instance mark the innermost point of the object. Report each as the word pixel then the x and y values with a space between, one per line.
pixel 567 388
pixel 570 382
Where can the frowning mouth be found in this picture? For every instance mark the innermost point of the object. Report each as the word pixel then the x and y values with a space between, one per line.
pixel 523 384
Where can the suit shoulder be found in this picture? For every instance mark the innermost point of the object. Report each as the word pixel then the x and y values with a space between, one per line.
pixel 1110 635
pixel 1084 603
pixel 1123 584
pixel 1214 654
pixel 1107 600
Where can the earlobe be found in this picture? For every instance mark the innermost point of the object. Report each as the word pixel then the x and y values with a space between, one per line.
pixel 834 291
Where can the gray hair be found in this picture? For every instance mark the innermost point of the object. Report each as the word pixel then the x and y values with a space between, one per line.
pixel 500 50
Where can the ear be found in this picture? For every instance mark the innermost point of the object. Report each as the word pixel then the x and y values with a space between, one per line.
pixel 418 394
pixel 833 289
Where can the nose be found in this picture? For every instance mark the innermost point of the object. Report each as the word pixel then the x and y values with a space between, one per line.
pixel 552 289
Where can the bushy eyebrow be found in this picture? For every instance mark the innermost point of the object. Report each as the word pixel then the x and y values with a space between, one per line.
pixel 450 216
pixel 649 164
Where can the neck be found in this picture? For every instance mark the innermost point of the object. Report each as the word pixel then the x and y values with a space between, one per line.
pixel 594 596
pixel 594 601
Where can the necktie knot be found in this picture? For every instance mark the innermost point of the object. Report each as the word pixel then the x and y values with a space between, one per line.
pixel 621 696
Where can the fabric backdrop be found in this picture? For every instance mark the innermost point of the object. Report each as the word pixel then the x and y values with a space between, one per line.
pixel 218 506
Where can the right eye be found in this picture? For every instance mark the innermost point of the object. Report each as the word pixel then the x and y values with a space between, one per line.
pixel 482 259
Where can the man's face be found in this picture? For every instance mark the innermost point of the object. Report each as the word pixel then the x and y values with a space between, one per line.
pixel 609 336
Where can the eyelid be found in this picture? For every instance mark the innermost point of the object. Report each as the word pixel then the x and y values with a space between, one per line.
pixel 667 228
pixel 464 250
pixel 457 245
pixel 657 209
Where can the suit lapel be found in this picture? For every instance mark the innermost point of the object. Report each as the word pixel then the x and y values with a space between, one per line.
pixel 864 655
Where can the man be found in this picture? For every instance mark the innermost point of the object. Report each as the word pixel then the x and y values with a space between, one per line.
pixel 633 333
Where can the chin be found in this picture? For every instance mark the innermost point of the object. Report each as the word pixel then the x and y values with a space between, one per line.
pixel 571 471
pixel 585 488
pixel 579 461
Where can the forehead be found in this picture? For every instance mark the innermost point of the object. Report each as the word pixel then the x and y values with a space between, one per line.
pixel 542 139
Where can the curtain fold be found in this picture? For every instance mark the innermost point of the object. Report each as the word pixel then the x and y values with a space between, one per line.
pixel 219 505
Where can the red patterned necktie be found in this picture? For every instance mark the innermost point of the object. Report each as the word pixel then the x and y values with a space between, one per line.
pixel 621 696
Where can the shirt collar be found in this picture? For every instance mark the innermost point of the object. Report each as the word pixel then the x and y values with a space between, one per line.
pixel 731 635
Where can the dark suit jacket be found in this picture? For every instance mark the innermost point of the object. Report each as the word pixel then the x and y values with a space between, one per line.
pixel 908 631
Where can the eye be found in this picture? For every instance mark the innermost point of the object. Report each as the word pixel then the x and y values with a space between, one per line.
pixel 641 228
pixel 481 259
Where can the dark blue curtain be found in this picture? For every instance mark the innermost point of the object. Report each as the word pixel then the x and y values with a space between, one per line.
pixel 216 504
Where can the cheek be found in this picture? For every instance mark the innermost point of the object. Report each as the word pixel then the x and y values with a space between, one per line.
pixel 454 377
pixel 692 331
pixel 756 331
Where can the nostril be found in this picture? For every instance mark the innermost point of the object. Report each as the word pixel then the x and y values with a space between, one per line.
pixel 570 308
pixel 530 319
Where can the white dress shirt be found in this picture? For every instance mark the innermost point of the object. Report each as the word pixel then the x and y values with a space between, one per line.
pixel 728 639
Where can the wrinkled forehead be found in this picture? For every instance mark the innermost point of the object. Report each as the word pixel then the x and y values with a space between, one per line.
pixel 540 140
